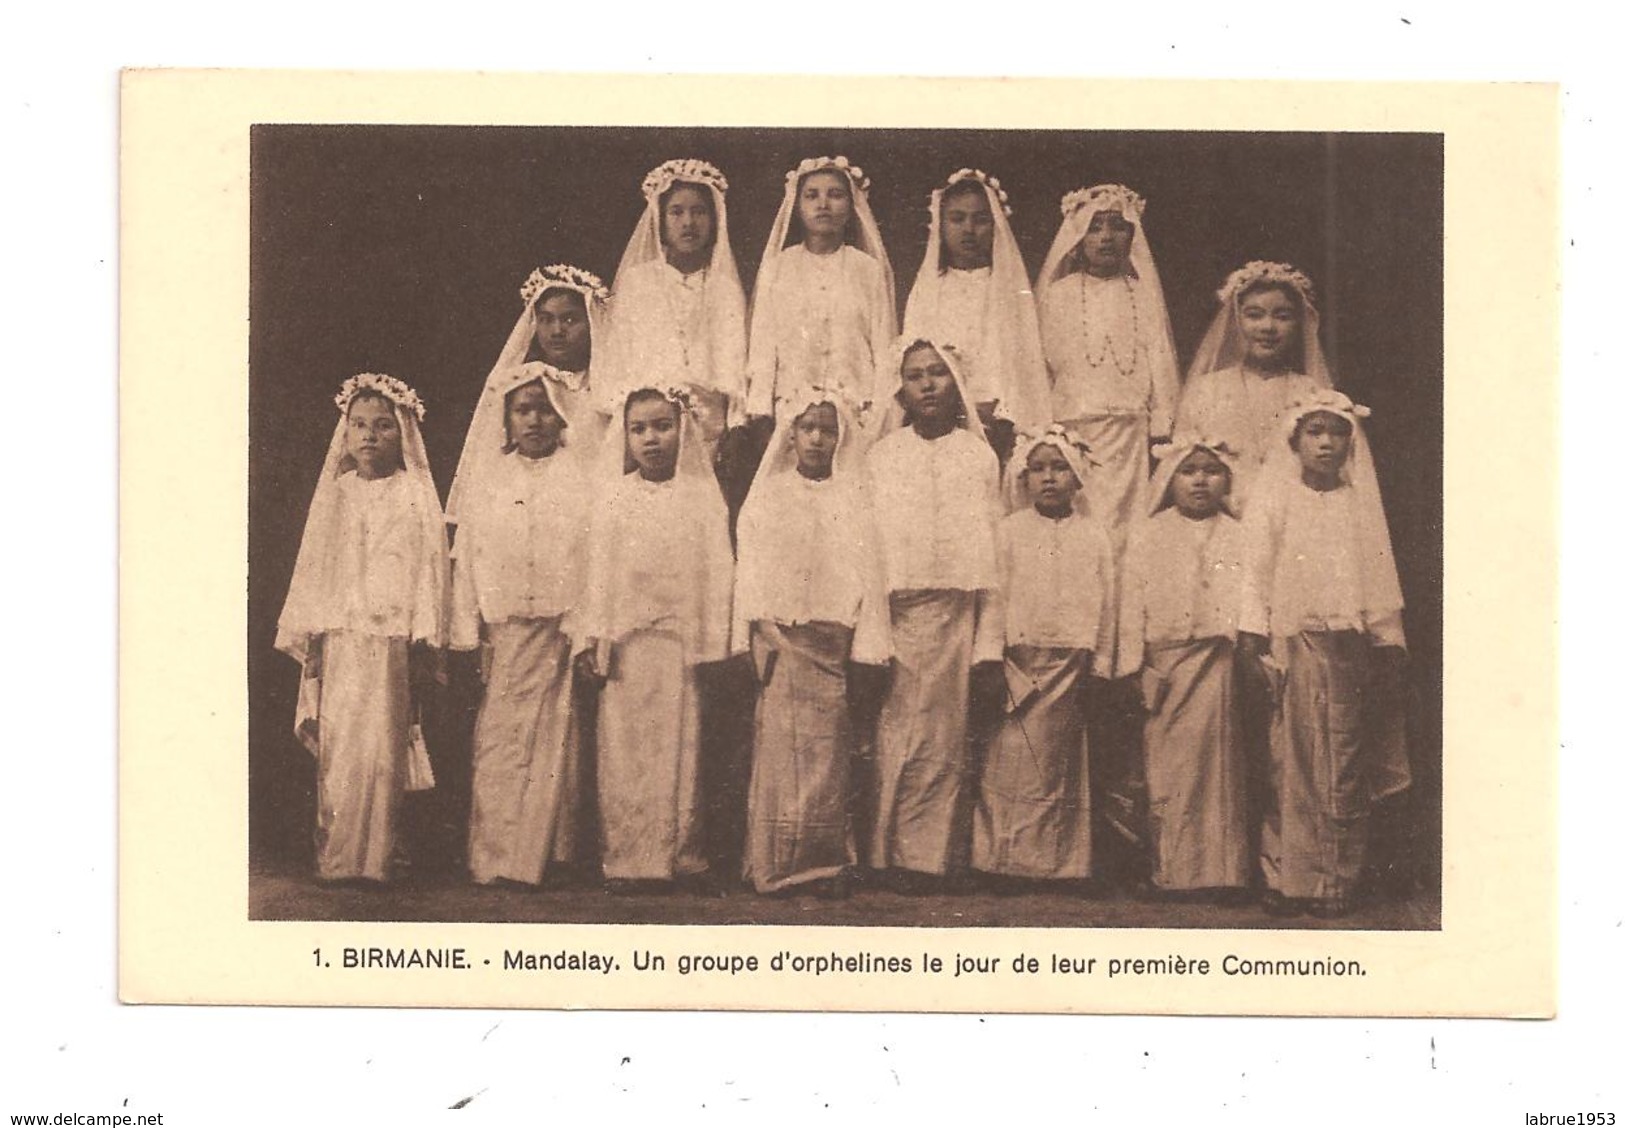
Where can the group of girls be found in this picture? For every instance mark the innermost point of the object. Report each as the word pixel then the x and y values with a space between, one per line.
pixel 927 546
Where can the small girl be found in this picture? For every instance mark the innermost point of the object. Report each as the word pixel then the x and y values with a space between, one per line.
pixel 1055 600
pixel 973 292
pixel 935 484
pixel 516 586
pixel 809 601
pixel 677 297
pixel 1321 612
pixel 561 318
pixel 659 584
pixel 1181 601
pixel 1261 352
pixel 825 307
pixel 364 617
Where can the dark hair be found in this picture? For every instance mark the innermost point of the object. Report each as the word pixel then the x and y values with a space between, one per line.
pixel 915 346
pixel 644 395
pixel 370 394
pixel 710 203
pixel 798 231
pixel 1074 262
pixel 1339 426
pixel 555 291
pixel 1264 285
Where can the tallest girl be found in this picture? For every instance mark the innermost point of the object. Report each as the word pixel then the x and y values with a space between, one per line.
pixel 825 306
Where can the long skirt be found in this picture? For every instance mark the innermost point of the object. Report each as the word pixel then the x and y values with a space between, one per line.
pixel 649 761
pixel 800 826
pixel 1331 754
pixel 1032 815
pixel 921 754
pixel 1115 489
pixel 364 725
pixel 526 756
pixel 1195 766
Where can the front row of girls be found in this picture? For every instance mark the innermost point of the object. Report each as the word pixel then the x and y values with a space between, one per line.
pixel 895 576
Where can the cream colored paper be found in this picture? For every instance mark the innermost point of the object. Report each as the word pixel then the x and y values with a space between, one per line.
pixel 185 934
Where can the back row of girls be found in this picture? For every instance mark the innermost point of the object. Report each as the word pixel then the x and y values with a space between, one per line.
pixel 589 524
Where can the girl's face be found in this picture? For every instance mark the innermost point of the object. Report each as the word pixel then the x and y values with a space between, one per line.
pixel 1322 440
pixel 687 222
pixel 651 437
pixel 813 437
pixel 1050 480
pixel 563 333
pixel 534 427
pixel 929 393
pixel 1200 485
pixel 372 437
pixel 1269 326
pixel 824 203
pixel 1106 243
pixel 967 230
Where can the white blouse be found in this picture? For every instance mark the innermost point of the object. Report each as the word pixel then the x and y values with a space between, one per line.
pixel 661 329
pixel 936 502
pixel 1302 567
pixel 820 319
pixel 520 550
pixel 1055 580
pixel 381 584
pixel 1106 354
pixel 1182 579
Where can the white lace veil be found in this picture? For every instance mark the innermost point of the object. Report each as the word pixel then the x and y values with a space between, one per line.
pixel 314 606
pixel 894 417
pixel 1072 448
pixel 1379 579
pixel 865 238
pixel 1077 210
pixel 1169 455
pixel 724 299
pixel 567 390
pixel 1223 345
pixel 1011 340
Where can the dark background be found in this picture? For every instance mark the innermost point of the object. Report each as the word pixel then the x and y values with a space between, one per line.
pixel 401 249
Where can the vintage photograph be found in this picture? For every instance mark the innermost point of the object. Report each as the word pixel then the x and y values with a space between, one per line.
pixel 906 527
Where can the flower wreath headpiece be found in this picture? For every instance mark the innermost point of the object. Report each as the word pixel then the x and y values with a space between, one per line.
pixel 673 393
pixel 689 170
pixel 841 164
pixel 992 183
pixel 1224 450
pixel 803 396
pixel 396 391
pixel 1104 197
pixel 1258 271
pixel 1060 433
pixel 561 276
pixel 1327 399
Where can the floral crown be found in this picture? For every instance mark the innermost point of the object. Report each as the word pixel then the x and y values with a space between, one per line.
pixel 799 398
pixel 689 170
pixel 560 276
pixel 1162 451
pixel 1326 399
pixel 841 164
pixel 672 393
pixel 1244 279
pixel 1057 434
pixel 395 391
pixel 992 183
pixel 1104 197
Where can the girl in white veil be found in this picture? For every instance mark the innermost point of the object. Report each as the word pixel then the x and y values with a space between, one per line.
pixel 659 585
pixel 1321 620
pixel 973 291
pixel 935 487
pixel 365 618
pixel 1055 600
pixel 809 601
pixel 1110 350
pixel 677 305
pixel 561 321
pixel 1261 352
pixel 517 584
pixel 824 309
pixel 1181 605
